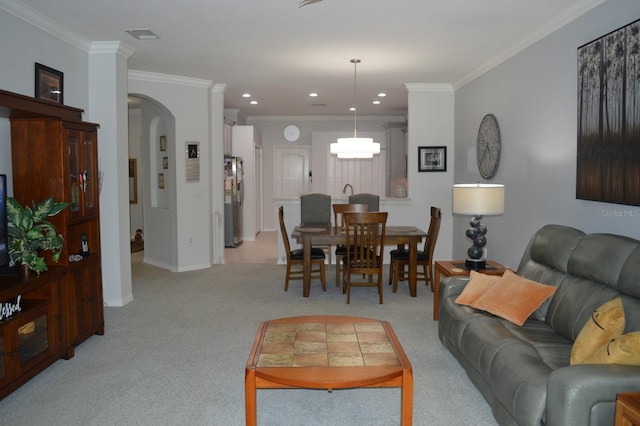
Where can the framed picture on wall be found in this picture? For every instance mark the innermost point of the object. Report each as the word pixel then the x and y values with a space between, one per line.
pixel 161 180
pixel 49 84
pixel 163 143
pixel 432 158
pixel 165 162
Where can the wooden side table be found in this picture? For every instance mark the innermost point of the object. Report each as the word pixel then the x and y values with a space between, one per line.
pixel 455 268
pixel 627 409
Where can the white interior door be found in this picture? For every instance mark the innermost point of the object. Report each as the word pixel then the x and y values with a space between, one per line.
pixel 292 171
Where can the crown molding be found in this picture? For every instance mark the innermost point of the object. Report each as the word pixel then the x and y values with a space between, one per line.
pixel 46 24
pixel 428 87
pixel 555 23
pixel 169 79
pixel 116 47
pixel 219 88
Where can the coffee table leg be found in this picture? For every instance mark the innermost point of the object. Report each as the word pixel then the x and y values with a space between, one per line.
pixel 250 397
pixel 407 398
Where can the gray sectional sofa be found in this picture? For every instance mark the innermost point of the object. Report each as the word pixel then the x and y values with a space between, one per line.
pixel 524 372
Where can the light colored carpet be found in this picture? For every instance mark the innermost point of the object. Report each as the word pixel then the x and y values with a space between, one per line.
pixel 177 353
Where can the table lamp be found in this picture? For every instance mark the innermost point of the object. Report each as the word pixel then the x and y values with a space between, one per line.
pixel 478 200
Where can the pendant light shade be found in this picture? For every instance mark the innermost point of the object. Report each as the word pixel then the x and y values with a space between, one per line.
pixel 355 147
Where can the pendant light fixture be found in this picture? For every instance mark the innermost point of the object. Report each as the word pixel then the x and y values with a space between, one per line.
pixel 355 147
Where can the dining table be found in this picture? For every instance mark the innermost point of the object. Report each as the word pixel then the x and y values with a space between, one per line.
pixel 322 236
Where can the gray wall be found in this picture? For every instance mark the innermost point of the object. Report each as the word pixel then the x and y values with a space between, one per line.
pixel 534 97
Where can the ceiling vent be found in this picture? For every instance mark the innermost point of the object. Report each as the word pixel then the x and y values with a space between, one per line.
pixel 143 34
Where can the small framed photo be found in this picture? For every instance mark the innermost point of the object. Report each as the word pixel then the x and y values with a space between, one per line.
pixel 432 158
pixel 49 84
pixel 163 143
pixel 165 162
pixel 161 180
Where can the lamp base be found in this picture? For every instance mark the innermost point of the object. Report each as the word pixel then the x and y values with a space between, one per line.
pixel 475 264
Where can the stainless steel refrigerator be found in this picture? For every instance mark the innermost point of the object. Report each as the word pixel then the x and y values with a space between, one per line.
pixel 233 199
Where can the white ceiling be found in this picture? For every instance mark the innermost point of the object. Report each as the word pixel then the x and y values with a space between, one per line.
pixel 280 52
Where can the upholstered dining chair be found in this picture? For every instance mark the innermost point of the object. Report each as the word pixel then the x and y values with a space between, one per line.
pixel 315 211
pixel 365 233
pixel 338 223
pixel 373 201
pixel 400 257
pixel 296 258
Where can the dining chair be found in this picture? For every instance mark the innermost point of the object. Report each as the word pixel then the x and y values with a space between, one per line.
pixel 338 224
pixel 315 211
pixel 296 258
pixel 373 201
pixel 400 257
pixel 365 232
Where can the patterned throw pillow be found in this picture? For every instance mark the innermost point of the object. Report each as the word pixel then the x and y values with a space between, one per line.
pixel 605 323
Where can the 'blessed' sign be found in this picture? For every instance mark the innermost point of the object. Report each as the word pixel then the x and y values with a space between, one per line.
pixel 8 309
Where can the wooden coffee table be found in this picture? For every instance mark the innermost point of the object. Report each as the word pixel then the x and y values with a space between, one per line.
pixel 327 352
pixel 455 268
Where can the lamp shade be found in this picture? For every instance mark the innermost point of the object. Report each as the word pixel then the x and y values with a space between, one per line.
pixel 355 148
pixel 478 199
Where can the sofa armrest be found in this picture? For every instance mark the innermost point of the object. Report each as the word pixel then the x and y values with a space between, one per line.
pixel 586 394
pixel 452 286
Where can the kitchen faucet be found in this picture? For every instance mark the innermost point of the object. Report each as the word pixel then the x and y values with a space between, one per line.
pixel 344 190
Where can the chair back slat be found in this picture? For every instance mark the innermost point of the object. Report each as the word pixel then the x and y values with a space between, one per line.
pixel 432 234
pixel 283 231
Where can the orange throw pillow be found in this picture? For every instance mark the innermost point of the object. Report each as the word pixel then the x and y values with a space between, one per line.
pixel 514 298
pixel 605 323
pixel 476 287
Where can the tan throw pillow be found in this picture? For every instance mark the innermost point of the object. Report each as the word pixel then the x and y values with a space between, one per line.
pixel 514 298
pixel 605 323
pixel 476 287
pixel 624 349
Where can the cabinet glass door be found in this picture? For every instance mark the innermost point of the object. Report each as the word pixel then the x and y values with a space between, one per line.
pixel 2 373
pixel 89 174
pixel 74 174
pixel 33 339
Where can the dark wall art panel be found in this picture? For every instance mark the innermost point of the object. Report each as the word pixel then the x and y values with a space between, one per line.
pixel 608 163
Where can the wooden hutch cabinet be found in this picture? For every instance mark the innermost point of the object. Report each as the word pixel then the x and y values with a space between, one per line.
pixel 54 154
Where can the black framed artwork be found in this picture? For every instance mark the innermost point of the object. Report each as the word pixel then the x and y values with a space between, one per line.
pixel 432 158
pixel 608 158
pixel 49 84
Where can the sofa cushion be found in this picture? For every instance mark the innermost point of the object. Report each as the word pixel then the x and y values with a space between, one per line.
pixel 514 298
pixel 477 286
pixel 624 349
pixel 605 323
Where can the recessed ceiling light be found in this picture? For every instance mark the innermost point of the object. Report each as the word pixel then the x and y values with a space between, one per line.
pixel 313 95
pixel 376 102
pixel 352 109
pixel 246 95
pixel 142 34
pixel 254 102
pixel 382 94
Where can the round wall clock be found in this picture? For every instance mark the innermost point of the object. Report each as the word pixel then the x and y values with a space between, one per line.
pixel 488 146
pixel 291 133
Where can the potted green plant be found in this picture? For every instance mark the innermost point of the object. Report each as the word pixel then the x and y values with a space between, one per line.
pixel 30 233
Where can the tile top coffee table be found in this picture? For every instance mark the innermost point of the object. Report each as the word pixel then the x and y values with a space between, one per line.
pixel 327 352
pixel 456 268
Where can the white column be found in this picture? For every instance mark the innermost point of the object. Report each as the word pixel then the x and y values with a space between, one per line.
pixel 216 158
pixel 108 107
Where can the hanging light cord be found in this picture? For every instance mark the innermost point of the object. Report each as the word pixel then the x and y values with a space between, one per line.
pixel 355 63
